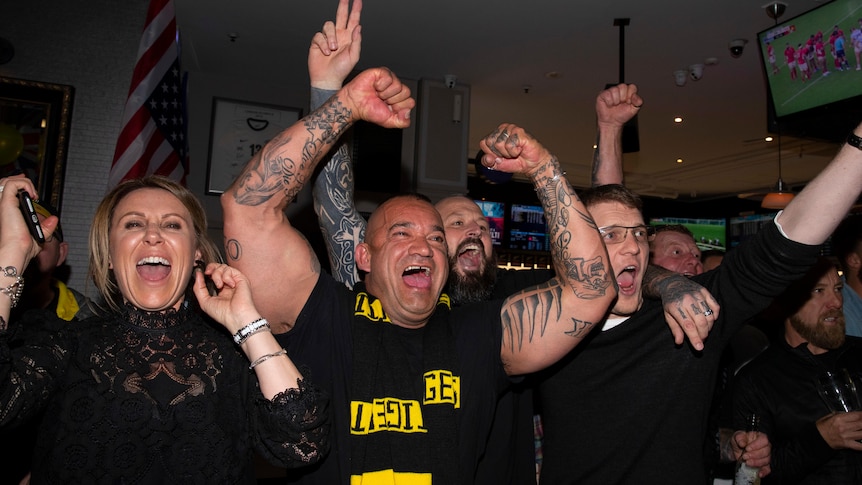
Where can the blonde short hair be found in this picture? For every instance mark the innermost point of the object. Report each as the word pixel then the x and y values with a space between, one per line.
pixel 100 272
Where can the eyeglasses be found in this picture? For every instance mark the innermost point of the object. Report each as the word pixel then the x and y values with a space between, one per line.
pixel 617 234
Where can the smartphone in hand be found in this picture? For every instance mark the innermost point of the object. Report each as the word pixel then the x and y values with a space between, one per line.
pixel 29 213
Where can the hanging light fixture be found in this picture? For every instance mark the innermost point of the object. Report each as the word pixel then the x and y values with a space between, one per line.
pixel 780 196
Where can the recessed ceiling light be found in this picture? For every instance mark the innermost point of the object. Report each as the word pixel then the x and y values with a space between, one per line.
pixel 678 160
pixel 553 75
pixel 677 119
pixel 768 138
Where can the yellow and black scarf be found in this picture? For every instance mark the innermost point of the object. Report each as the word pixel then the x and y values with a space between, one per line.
pixel 403 425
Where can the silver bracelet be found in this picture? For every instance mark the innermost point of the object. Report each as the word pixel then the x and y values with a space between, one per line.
pixel 245 332
pixel 266 357
pixel 555 178
pixel 14 290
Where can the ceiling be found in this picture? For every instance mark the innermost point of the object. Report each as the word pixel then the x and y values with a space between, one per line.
pixel 499 47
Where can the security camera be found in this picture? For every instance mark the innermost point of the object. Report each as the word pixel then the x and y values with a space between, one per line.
pixel 695 72
pixel 450 80
pixel 736 47
pixel 775 9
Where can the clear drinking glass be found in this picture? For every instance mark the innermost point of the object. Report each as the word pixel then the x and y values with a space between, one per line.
pixel 840 391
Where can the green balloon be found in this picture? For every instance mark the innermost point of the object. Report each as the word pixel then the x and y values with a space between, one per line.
pixel 11 144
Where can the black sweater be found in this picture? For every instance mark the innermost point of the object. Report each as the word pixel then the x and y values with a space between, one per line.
pixel 628 406
pixel 780 386
pixel 149 398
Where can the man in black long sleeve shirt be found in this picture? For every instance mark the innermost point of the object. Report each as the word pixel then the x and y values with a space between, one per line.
pixel 810 444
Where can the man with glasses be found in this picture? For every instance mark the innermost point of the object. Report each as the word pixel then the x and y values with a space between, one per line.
pixel 643 418
pixel 618 234
pixel 473 273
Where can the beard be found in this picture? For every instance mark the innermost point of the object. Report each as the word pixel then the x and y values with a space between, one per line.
pixel 475 286
pixel 820 335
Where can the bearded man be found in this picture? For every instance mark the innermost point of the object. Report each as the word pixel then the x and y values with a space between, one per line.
pixel 810 444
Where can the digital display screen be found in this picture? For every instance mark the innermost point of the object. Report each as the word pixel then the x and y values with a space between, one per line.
pixel 743 227
pixel 708 233
pixel 528 229
pixel 495 212
pixel 803 61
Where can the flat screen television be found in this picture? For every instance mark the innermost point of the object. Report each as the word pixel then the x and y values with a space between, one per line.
pixel 741 228
pixel 528 229
pixel 824 103
pixel 495 212
pixel 708 233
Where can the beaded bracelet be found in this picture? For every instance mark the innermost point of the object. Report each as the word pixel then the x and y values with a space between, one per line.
pixel 266 357
pixel 14 290
pixel 245 332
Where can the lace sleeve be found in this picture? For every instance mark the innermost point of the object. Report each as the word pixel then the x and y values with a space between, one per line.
pixel 31 357
pixel 293 428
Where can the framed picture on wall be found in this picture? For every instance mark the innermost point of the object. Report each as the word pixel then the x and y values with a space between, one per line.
pixel 239 130
pixel 35 118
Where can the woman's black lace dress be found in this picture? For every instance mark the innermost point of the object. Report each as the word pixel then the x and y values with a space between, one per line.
pixel 149 398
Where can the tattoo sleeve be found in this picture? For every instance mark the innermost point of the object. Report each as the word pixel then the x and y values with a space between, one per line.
pixel 342 226
pixel 588 278
pixel 273 170
pixel 526 317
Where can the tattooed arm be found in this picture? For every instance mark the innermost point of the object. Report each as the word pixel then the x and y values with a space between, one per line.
pixel 259 239
pixel 685 302
pixel 342 226
pixel 543 323
pixel 614 107
pixel 333 54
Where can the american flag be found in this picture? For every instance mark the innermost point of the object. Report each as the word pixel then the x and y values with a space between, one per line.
pixel 153 138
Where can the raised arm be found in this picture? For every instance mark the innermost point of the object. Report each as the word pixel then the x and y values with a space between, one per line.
pixel 259 240
pixel 813 214
pixel 17 246
pixel 543 323
pixel 333 54
pixel 615 106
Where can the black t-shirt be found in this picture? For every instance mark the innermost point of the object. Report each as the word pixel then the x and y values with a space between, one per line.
pixel 628 406
pixel 322 341
pixel 510 457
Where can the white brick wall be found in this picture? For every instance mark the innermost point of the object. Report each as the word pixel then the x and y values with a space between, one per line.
pixel 90 45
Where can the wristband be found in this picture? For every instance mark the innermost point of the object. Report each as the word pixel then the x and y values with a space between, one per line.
pixel 245 332
pixel 854 141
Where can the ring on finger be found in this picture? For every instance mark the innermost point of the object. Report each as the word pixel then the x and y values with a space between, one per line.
pixel 708 312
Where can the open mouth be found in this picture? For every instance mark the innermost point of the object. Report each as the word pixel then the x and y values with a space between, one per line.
pixel 417 276
pixel 832 318
pixel 153 268
pixel 471 255
pixel 626 279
